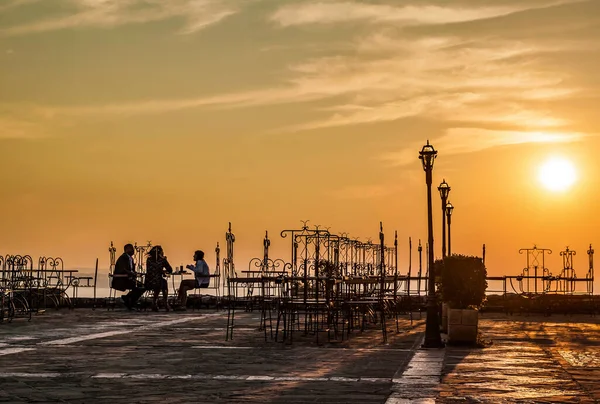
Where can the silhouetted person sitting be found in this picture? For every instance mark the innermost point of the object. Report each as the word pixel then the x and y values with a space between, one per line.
pixel 125 277
pixel 201 278
pixel 156 265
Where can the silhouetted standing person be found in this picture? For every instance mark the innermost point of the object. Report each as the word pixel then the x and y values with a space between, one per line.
pixel 126 278
pixel 156 265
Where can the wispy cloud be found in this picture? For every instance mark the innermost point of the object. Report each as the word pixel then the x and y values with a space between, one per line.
pixel 196 14
pixel 328 12
pixel 15 3
pixel 13 128
pixel 443 77
pixel 244 99
pixel 467 140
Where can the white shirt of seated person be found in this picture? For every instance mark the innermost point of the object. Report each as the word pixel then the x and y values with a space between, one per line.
pixel 201 272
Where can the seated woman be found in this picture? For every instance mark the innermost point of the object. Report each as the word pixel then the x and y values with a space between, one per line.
pixel 156 265
pixel 201 278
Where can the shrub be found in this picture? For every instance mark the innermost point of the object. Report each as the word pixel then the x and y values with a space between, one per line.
pixel 462 282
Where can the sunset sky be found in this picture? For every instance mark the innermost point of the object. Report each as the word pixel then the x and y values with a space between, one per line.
pixel 136 120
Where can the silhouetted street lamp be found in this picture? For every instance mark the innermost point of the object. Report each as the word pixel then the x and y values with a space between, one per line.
pixel 433 338
pixel 444 189
pixel 449 209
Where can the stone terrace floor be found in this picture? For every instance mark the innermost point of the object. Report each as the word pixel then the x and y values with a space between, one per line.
pixel 84 356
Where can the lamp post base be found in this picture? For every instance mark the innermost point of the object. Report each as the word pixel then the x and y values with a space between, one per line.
pixel 433 337
pixel 437 344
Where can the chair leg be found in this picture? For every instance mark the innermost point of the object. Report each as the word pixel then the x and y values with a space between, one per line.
pixel 111 301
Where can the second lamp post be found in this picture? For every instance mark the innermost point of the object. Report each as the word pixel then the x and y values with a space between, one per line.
pixel 444 189
pixel 449 209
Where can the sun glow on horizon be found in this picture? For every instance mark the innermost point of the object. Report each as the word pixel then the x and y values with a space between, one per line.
pixel 557 174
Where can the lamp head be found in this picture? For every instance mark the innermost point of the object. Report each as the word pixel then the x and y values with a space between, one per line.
pixel 427 156
pixel 444 189
pixel 449 209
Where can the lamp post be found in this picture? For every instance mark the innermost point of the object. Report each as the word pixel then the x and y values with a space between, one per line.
pixel 449 209
pixel 432 326
pixel 444 189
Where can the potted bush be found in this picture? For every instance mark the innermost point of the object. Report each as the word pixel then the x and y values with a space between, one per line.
pixel 462 286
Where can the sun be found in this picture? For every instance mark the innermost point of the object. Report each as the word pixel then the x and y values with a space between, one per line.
pixel 557 174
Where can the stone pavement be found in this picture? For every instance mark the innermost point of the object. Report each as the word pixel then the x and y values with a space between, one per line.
pixel 84 356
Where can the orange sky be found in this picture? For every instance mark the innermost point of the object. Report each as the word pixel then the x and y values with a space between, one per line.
pixel 163 121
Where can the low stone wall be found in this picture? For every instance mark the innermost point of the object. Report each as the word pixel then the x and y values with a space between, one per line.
pixel 547 304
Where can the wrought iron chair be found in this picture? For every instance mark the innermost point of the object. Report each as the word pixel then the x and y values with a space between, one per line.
pixel 84 282
pixel 7 307
pixel 18 289
pixel 112 293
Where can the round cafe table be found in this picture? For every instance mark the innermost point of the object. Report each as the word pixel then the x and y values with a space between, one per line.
pixel 173 275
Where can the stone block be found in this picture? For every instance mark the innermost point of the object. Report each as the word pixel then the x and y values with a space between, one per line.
pixel 462 325
pixel 454 317
pixel 470 317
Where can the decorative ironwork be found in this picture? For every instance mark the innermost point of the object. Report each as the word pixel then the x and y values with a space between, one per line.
pixel 20 285
pixel 228 262
pixel 218 259
pixel 590 274
pixel 140 254
pixel 567 279
pixel 536 288
pixel 536 262
pixel 330 282
pixel 113 257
